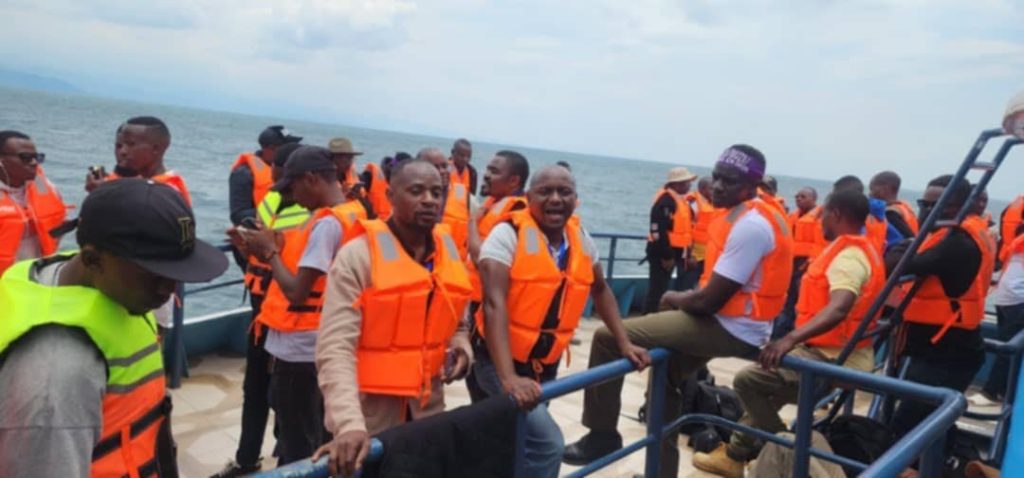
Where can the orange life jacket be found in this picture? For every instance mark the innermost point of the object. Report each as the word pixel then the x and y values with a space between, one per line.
pixel 44 211
pixel 495 213
pixel 169 178
pixel 776 268
pixel 1008 224
pixel 681 234
pixel 932 306
pixel 456 216
pixel 259 274
pixel 815 291
pixel 1016 247
pixel 808 234
pixel 409 312
pixel 464 178
pixel 540 328
pixel 779 203
pixel 875 230
pixel 905 212
pixel 706 212
pixel 280 314
pixel 262 179
pixel 377 193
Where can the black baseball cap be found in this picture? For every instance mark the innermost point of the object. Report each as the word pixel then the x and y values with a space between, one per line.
pixel 149 224
pixel 306 159
pixel 282 153
pixel 277 135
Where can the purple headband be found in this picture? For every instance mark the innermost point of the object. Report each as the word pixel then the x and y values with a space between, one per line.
pixel 743 162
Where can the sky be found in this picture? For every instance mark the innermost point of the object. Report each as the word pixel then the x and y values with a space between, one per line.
pixel 823 88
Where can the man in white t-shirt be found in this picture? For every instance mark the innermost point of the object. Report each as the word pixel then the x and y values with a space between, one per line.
pixel 717 320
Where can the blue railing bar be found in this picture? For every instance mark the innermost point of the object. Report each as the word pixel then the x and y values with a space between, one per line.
pixel 611 257
pixel 718 421
pixel 648 441
pixel 987 176
pixel 929 221
pixel 804 420
pixel 307 469
pixel 218 285
pixel 594 376
pixel 931 431
pixel 656 416
pixel 618 235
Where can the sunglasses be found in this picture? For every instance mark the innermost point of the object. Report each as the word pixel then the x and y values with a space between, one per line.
pixel 27 157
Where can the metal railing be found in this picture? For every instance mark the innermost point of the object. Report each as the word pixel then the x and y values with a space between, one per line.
pixel 612 257
pixel 925 442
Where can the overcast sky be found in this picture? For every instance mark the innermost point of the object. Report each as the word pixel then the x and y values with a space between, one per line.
pixel 823 88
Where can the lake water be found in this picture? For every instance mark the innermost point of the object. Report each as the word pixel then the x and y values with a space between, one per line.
pixel 78 131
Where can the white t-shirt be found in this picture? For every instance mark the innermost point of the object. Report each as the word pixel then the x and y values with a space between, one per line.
pixel 324 241
pixel 1010 290
pixel 501 244
pixel 751 239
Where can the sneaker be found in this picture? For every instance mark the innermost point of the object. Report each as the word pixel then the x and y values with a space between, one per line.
pixel 719 463
pixel 982 399
pixel 592 446
pixel 233 469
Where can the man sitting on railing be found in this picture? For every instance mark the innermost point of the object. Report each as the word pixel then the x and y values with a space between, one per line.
pixel 392 329
pixel 940 325
pixel 836 291
pixel 749 263
pixel 538 268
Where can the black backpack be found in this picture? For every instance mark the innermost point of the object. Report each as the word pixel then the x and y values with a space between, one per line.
pixel 858 438
pixel 713 400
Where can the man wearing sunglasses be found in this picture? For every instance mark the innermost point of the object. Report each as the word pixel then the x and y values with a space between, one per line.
pixel 30 205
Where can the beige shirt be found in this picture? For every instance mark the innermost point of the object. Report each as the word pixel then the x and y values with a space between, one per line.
pixel 345 408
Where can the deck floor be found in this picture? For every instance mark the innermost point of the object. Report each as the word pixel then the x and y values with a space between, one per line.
pixel 207 412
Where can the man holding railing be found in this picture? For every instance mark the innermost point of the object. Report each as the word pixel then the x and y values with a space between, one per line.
pixel 538 268
pixel 749 261
pixel 836 291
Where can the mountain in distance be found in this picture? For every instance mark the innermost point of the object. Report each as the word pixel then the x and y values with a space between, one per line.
pixel 31 81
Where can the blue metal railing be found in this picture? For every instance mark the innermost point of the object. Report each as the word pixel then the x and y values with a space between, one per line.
pixel 926 441
pixel 613 244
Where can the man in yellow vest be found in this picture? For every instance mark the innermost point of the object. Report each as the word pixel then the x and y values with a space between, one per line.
pixel 82 375
pixel 838 288
pixel 251 176
pixel 670 235
pixel 372 378
pixel 291 310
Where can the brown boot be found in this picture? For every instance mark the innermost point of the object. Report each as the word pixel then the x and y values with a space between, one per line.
pixel 719 463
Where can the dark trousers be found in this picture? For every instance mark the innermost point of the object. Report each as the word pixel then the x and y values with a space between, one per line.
pixel 953 373
pixel 298 408
pixel 657 283
pixel 255 389
pixel 1010 320
pixel 786 321
pixel 687 279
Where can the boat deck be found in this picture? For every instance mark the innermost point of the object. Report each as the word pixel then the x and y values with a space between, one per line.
pixel 208 407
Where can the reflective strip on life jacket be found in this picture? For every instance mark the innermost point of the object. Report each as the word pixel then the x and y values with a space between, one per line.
pixel 815 292
pixel 775 268
pixel 409 313
pixel 132 404
pixel 456 216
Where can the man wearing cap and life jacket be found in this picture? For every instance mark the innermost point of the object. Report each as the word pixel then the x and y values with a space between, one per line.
pixel 344 156
pixel 403 274
pixel 539 268
pixel 840 285
pixel 279 212
pixel 462 172
pixel 457 205
pixel 749 263
pixel 251 174
pixel 30 205
pixel 291 309
pixel 704 212
pixel 139 147
pixel 81 371
pixel 940 325
pixel 885 186
pixel 670 235
pixel 808 241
